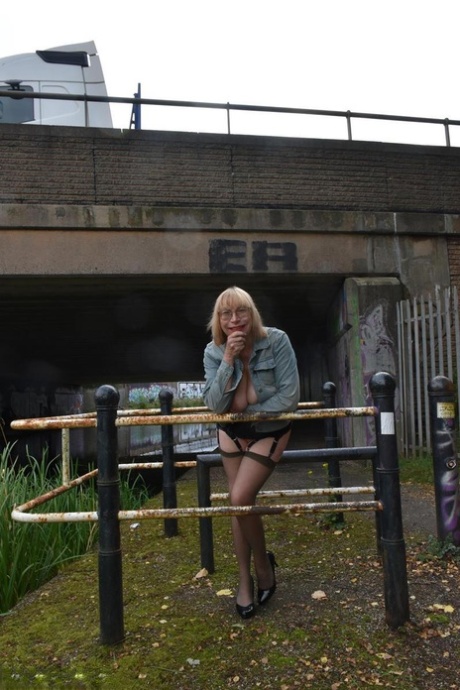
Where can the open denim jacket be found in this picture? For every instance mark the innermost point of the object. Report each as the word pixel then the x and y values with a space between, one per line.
pixel 274 373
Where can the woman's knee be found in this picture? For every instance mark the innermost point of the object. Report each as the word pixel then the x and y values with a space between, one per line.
pixel 241 497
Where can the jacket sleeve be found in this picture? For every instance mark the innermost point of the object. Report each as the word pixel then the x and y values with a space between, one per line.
pixel 287 395
pixel 217 374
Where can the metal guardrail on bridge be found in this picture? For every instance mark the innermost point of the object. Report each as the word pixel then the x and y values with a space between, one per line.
pixel 347 115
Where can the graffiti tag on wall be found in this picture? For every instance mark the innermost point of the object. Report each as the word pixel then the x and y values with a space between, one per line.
pixel 239 256
pixel 377 351
pixel 447 479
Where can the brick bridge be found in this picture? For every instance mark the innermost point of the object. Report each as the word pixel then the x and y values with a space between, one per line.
pixel 115 244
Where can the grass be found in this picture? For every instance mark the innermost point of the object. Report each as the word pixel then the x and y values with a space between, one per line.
pixel 182 632
pixel 32 554
pixel 417 470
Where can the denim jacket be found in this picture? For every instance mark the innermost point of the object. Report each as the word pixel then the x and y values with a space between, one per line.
pixel 274 373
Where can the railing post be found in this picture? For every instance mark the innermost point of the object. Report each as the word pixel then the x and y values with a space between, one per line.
pixel 441 392
pixel 446 131
pixel 65 454
pixel 383 387
pixel 332 441
pixel 169 471
pixel 228 118
pixel 350 136
pixel 108 487
pixel 204 501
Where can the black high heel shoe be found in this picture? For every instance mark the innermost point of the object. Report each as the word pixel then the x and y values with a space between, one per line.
pixel 247 611
pixel 264 595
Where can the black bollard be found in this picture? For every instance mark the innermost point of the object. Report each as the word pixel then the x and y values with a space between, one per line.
pixel 382 387
pixel 332 441
pixel 169 471
pixel 441 391
pixel 108 487
pixel 204 501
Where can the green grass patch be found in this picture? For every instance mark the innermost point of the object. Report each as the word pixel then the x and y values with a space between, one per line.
pixel 30 554
pixel 417 470
pixel 182 631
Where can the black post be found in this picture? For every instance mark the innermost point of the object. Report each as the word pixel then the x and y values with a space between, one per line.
pixel 441 392
pixel 382 387
pixel 377 495
pixel 204 501
pixel 108 487
pixel 332 441
pixel 169 471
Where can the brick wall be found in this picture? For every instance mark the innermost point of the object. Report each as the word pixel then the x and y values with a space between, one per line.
pixel 453 249
pixel 59 165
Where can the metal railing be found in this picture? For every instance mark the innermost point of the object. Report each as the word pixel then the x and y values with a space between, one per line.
pixel 109 514
pixel 346 115
pixel 87 420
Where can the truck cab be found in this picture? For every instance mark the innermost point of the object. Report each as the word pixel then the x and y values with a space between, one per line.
pixel 73 69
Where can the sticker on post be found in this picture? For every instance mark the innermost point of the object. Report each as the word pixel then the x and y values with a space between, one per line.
pixel 445 410
pixel 387 423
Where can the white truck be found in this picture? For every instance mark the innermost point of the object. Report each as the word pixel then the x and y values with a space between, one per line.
pixel 73 69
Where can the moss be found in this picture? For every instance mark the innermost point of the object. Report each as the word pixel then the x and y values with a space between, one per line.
pixel 182 632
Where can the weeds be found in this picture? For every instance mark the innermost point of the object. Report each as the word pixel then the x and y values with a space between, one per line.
pixel 443 550
pixel 31 554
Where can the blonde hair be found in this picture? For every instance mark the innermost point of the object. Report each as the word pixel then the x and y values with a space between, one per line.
pixel 232 298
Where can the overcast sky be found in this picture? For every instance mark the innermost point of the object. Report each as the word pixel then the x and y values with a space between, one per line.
pixel 398 57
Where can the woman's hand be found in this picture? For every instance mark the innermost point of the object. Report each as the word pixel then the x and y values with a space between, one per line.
pixel 235 344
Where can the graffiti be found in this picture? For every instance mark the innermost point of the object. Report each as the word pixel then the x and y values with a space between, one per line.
pixel 143 395
pixel 377 346
pixel 147 395
pixel 190 389
pixel 239 256
pixel 447 480
pixel 377 351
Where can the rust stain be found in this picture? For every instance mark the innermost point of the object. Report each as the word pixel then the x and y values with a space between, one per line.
pixel 328 491
pixel 20 515
pixel 219 511
pixel 154 465
pixel 153 417
pixel 210 418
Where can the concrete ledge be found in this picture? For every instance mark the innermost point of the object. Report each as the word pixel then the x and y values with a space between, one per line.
pixel 121 217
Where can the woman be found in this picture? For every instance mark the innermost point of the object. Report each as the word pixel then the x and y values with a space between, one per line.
pixel 249 368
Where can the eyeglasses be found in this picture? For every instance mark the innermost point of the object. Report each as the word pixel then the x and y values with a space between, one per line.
pixel 240 313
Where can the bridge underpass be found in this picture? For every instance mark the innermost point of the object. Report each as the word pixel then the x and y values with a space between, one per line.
pixel 69 334
pixel 89 331
pixel 115 245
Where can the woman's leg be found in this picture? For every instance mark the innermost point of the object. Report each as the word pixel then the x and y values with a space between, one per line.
pixel 250 478
pixel 241 546
pixel 246 477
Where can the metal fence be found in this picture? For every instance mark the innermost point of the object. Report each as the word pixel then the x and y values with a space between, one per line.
pixel 428 346
pixel 348 117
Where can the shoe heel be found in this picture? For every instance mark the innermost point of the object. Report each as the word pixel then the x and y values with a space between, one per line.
pixel 272 559
pixel 264 595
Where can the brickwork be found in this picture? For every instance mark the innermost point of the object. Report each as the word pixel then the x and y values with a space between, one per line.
pixel 453 248
pixel 44 165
